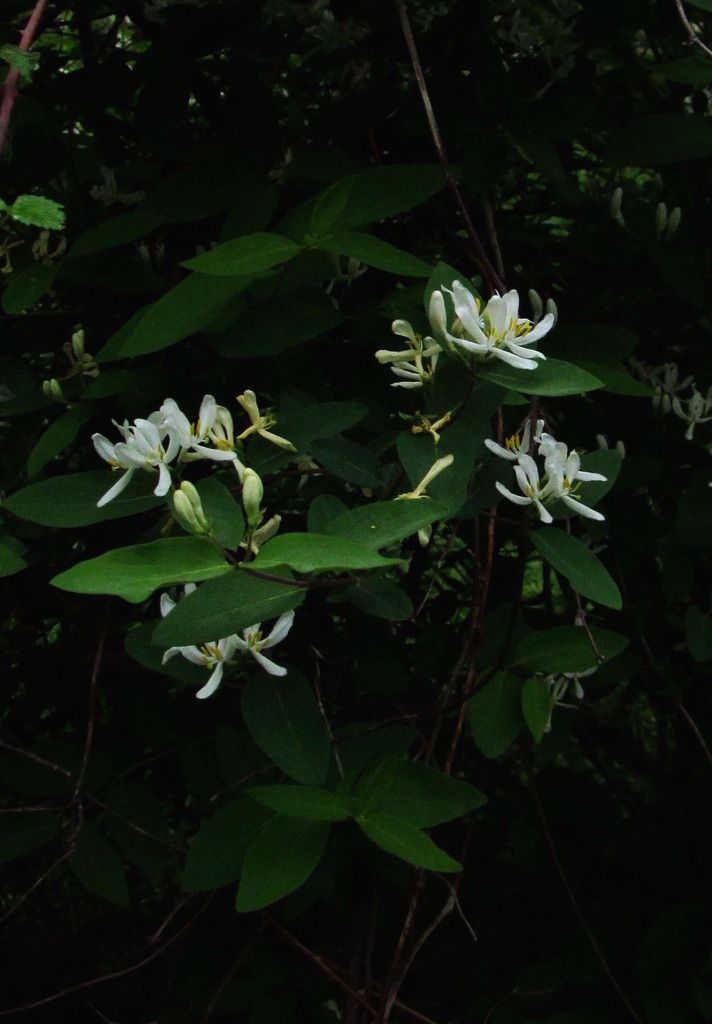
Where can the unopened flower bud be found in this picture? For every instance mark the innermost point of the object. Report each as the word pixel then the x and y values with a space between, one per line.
pixel 188 509
pixel 552 308
pixel 53 389
pixel 661 217
pixel 78 344
pixel 437 314
pixel 536 304
pixel 673 221
pixel 616 204
pixel 252 493
pixel 424 535
pixel 265 532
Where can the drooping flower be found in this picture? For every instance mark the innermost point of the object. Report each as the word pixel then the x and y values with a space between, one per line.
pixel 435 470
pixel 514 445
pixel 698 406
pixel 254 643
pixel 416 364
pixel 214 654
pixel 495 330
pixel 563 472
pixel 533 492
pixel 194 437
pixel 259 423
pixel 143 447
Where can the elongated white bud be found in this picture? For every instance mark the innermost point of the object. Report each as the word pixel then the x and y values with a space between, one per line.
pixel 615 205
pixel 265 532
pixel 552 308
pixel 673 221
pixel 78 345
pixel 252 494
pixel 661 217
pixel 437 314
pixel 53 389
pixel 536 304
pixel 188 509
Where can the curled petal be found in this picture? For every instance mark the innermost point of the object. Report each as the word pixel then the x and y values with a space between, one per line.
pixel 271 667
pixel 213 682
pixel 120 485
pixel 518 499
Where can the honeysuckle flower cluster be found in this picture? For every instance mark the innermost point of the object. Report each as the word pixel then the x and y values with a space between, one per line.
pixel 559 685
pixel 168 436
pixel 560 480
pixel 695 410
pixel 416 364
pixel 495 330
pixel 668 397
pixel 216 654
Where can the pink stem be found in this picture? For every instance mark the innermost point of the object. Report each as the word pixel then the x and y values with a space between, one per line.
pixel 10 88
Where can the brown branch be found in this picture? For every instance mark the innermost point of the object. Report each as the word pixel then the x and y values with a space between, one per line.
pixel 566 885
pixel 482 259
pixel 10 90
pixel 112 975
pixel 692 36
pixel 40 880
pixel 694 729
pixel 342 581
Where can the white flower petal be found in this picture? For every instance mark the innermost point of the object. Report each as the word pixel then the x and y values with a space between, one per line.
pixel 120 485
pixel 270 667
pixel 280 629
pixel 516 498
pixel 213 682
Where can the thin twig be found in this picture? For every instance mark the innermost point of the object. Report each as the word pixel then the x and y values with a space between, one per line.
pixel 10 90
pixel 111 976
pixel 230 974
pixel 695 730
pixel 91 717
pixel 17 903
pixel 593 942
pixel 692 36
pixel 483 261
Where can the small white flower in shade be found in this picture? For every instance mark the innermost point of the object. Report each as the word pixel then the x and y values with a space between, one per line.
pixel 259 423
pixel 559 685
pixel 435 470
pixel 698 406
pixel 194 437
pixel 213 655
pixel 254 643
pixel 416 364
pixel 564 474
pixel 143 447
pixel 514 445
pixel 533 493
pixel 497 329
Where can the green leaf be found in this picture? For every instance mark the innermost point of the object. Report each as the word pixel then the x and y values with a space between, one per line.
pixel 606 344
pixel 688 70
pixel 11 560
pixel 666 138
pixel 386 522
pixel 375 253
pixel 283 718
pixel 309 802
pixel 536 706
pixel 618 382
pixel 227 523
pixel 408 843
pixel 323 510
pixel 495 714
pixel 381 598
pixel 254 204
pixel 369 196
pixel 279 860
pixel 698 633
pixel 71 500
pixel 190 307
pixel 27 286
pixel 58 436
pixel 98 866
pixel 135 572
pixel 319 420
pixel 22 833
pixel 414 793
pixel 566 649
pixel 118 230
pixel 20 60
pixel 585 572
pixel 348 461
pixel 217 850
pixel 224 606
pixel 552 377
pixel 313 552
pixel 277 324
pixel 38 211
pixel 248 255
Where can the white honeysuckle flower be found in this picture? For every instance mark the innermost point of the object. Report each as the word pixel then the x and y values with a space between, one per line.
pixel 259 423
pixel 435 470
pixel 533 493
pixel 193 436
pixel 558 686
pixel 514 445
pixel 563 472
pixel 698 406
pixel 497 329
pixel 254 643
pixel 410 363
pixel 213 655
pixel 666 381
pixel 143 447
pixel 437 313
